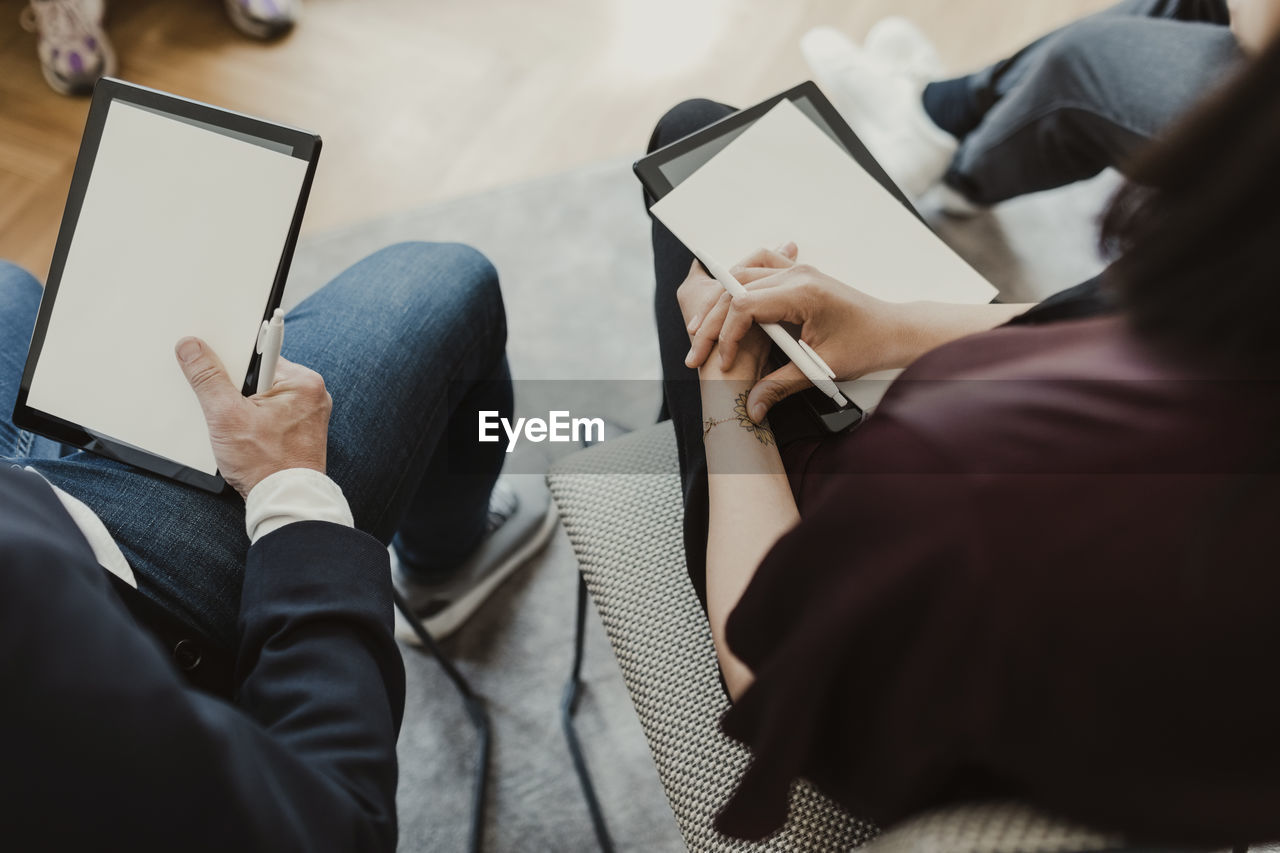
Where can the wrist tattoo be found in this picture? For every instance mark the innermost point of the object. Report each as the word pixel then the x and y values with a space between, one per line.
pixel 761 432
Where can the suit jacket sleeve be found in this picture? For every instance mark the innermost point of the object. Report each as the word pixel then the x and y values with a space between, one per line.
pixel 107 746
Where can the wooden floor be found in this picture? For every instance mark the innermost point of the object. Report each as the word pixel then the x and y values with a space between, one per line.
pixel 423 100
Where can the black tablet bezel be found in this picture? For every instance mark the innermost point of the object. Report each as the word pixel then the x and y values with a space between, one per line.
pixel 649 168
pixel 302 145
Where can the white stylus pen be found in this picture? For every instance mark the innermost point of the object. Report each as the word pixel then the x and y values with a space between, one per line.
pixel 800 353
pixel 270 339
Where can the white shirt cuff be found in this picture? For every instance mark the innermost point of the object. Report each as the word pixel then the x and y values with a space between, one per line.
pixel 295 494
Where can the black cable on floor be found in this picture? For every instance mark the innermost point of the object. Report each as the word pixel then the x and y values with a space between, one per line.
pixel 568 705
pixel 474 706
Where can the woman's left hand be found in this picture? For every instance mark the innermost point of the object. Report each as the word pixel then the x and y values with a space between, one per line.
pixel 705 304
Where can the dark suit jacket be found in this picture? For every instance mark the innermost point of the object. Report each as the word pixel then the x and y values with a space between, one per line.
pixel 106 746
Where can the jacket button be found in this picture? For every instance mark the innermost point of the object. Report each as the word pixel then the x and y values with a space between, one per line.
pixel 186 655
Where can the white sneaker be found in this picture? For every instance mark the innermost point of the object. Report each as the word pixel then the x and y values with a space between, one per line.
pixel 882 103
pixel 73 48
pixel 896 42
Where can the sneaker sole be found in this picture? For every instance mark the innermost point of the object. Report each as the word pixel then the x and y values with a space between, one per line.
pixel 64 87
pixel 254 28
pixel 449 620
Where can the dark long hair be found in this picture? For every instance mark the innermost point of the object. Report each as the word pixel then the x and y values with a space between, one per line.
pixel 1195 233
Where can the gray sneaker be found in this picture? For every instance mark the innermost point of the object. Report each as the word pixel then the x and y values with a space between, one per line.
pixel 521 520
pixel 73 47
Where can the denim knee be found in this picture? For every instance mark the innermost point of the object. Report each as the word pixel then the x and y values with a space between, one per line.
pixel 424 254
pixel 15 277
pixel 455 278
pixel 18 288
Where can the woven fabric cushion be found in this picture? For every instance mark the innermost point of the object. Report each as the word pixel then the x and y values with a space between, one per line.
pixel 621 506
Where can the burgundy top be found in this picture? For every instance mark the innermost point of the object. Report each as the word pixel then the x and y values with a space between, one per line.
pixel 1036 572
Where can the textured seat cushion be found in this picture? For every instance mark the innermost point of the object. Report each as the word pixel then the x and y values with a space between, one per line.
pixel 620 504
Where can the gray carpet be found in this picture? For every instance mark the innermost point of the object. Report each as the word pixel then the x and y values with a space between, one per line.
pixel 573 255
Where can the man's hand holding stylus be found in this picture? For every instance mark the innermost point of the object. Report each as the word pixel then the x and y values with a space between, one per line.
pixel 254 437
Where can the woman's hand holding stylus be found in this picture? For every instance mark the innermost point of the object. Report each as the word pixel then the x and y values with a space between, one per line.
pixel 855 333
pixel 704 302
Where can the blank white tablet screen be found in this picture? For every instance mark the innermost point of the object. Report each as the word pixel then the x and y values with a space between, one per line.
pixel 181 232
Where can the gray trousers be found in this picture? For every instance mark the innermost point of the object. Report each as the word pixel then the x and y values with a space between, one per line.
pixel 1085 97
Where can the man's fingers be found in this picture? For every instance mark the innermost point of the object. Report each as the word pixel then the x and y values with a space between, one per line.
pixel 285 367
pixel 774 388
pixel 288 371
pixel 295 377
pixel 207 377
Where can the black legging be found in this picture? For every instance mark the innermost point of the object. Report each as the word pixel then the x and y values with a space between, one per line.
pixel 682 399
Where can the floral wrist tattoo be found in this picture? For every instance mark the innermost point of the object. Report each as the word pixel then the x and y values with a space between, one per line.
pixel 760 432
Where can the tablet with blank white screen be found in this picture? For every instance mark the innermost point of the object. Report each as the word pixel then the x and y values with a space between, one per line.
pixel 181 220
pixel 785 178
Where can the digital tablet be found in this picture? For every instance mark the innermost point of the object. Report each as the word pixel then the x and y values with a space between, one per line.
pixel 181 220
pixel 666 168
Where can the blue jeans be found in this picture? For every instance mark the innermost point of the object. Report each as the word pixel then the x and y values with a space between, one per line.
pixel 410 342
